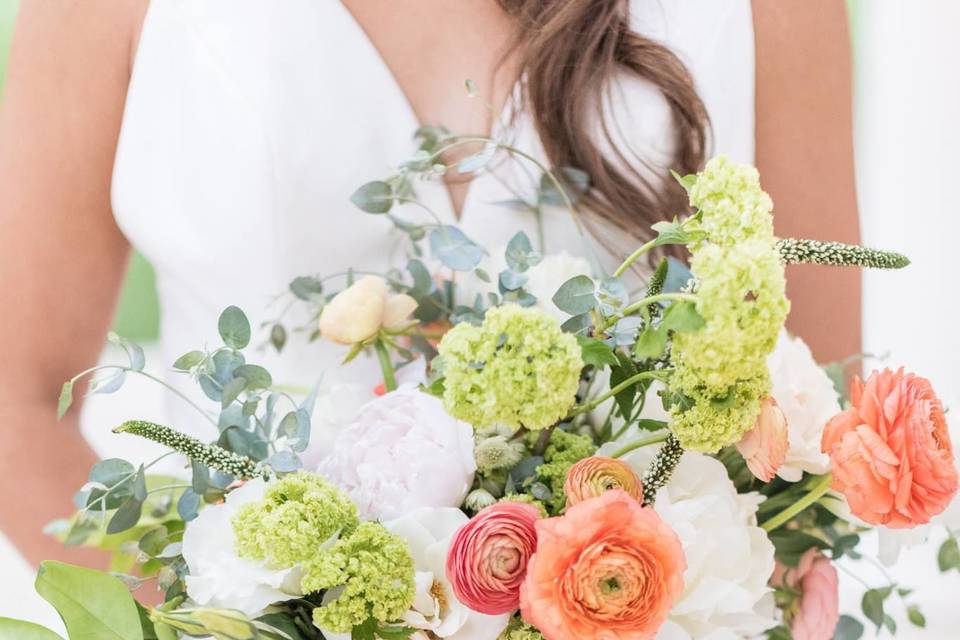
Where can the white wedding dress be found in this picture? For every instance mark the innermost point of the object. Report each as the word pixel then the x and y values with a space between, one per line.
pixel 248 124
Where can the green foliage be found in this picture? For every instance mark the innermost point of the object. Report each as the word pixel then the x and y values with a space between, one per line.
pixel 93 604
pixel 948 557
pixel 454 249
pixel 234 328
pixel 577 295
pixel 872 605
pixel 596 352
pixel 848 628
pixel 373 197
pixel 11 629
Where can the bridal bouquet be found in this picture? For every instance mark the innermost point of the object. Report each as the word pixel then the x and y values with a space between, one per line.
pixel 548 455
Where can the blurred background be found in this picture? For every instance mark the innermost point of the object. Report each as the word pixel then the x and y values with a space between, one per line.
pixel 907 102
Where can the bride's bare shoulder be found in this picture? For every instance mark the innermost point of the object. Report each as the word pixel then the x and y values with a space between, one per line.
pixel 99 31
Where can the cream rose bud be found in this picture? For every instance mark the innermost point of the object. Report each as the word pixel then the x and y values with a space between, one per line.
pixel 358 312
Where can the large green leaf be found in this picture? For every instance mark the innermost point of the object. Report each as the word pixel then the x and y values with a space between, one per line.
pixel 94 605
pixel 19 630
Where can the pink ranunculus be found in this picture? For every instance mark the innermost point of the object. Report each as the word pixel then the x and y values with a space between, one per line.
pixel 608 569
pixel 488 556
pixel 764 447
pixel 818 611
pixel 890 452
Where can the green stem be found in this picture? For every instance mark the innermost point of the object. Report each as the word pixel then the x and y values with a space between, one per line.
pixel 656 438
pixel 626 384
pixel 633 257
pixel 817 491
pixel 386 366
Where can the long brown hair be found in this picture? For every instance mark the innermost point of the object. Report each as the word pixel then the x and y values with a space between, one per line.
pixel 570 50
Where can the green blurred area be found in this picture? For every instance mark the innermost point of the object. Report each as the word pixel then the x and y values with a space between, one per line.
pixel 138 313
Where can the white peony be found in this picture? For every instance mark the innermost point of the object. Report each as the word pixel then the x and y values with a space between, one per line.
pixel 808 400
pixel 401 452
pixel 218 577
pixel 435 608
pixel 335 407
pixel 729 558
pixel 543 279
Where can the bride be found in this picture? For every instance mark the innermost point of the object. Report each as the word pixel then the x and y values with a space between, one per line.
pixel 222 138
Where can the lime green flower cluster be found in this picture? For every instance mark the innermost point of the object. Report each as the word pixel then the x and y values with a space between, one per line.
pixel 517 369
pixel 526 498
pixel 520 630
pixel 304 520
pixel 297 515
pixel 732 205
pixel 563 451
pixel 373 572
pixel 721 370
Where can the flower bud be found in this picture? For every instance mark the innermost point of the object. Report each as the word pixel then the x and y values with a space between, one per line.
pixel 764 448
pixel 358 312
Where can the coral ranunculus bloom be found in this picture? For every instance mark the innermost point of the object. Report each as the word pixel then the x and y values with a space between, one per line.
pixel 596 475
pixel 890 452
pixel 608 569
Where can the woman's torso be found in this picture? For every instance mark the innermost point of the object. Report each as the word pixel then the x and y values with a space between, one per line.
pixel 248 125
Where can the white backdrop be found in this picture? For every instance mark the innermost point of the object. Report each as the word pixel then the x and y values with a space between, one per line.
pixel 908 100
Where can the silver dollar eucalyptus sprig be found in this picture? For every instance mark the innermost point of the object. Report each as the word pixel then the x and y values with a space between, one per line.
pixel 794 251
pixel 234 464
pixel 660 470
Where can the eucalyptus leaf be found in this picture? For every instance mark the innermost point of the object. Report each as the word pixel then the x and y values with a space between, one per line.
pixel 278 336
pixel 519 253
pixel 232 391
pixel 256 376
pixel 285 462
pixel 92 604
pixel 188 505
pixel 453 248
pixel 511 280
pixel 66 398
pixel 134 351
pixel 848 628
pixel 234 327
pixel 307 288
pixel 577 324
pixel 109 384
pixel 422 281
pixel 477 161
pixel 189 360
pixel 373 197
pixel 576 295
pixel 574 181
pixel 127 516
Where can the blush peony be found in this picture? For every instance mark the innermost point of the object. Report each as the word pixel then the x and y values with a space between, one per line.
pixel 402 452
pixel 808 400
pixel 596 475
pixel 890 452
pixel 488 557
pixel 608 569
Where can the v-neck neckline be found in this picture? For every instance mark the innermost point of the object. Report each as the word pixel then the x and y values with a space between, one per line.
pixel 457 217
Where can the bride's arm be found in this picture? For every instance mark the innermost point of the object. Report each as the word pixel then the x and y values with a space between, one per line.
pixel 805 155
pixel 61 255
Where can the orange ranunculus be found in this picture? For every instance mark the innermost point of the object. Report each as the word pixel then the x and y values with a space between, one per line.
pixel 764 447
pixel 596 475
pixel 890 452
pixel 608 569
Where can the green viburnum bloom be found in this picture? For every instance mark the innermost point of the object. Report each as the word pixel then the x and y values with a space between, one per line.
pixel 733 206
pixel 722 368
pixel 517 368
pixel 370 575
pixel 520 630
pixel 562 452
pixel 297 515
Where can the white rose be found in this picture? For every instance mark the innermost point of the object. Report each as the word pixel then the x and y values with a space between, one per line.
pixel 358 312
pixel 808 400
pixel 401 452
pixel 218 577
pixel 543 279
pixel 729 558
pixel 435 607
